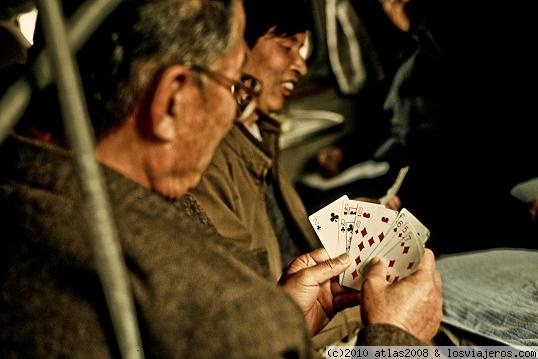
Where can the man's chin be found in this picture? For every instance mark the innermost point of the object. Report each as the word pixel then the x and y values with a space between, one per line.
pixel 272 110
pixel 194 180
pixel 274 106
pixel 195 176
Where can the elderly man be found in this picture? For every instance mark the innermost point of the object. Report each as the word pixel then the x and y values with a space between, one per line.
pixel 244 191
pixel 161 79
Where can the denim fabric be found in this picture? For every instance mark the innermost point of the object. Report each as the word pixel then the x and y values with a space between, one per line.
pixel 493 293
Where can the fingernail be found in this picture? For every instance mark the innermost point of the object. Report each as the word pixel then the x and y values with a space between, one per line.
pixel 343 258
pixel 375 260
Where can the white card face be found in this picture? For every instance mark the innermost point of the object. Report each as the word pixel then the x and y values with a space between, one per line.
pixel 346 225
pixel 398 228
pixel 326 223
pixel 423 233
pixel 402 260
pixel 404 257
pixel 370 228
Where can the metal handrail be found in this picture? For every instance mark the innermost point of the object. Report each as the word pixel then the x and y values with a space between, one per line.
pixel 109 261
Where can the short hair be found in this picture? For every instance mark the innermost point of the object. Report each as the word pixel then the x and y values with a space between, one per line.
pixel 139 40
pixel 282 17
pixel 143 40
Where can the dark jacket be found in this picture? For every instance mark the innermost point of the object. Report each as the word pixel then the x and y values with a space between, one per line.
pixel 195 295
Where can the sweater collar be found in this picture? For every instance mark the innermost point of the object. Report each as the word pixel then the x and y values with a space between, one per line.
pixel 41 165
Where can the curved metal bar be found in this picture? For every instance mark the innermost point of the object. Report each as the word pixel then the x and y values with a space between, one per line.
pixel 12 106
pixel 109 261
pixel 81 25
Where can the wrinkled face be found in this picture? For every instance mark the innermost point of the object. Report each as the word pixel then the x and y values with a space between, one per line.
pixel 207 114
pixel 168 140
pixel 277 62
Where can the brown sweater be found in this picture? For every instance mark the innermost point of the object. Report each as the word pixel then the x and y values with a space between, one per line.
pixel 196 295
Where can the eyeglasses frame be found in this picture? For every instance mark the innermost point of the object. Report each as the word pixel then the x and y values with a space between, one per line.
pixel 245 92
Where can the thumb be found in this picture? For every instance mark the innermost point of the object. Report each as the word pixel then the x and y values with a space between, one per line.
pixel 324 271
pixel 376 270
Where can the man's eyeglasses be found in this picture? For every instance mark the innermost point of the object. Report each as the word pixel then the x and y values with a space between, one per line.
pixel 244 91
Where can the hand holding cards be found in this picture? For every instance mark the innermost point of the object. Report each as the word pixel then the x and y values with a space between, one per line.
pixel 366 230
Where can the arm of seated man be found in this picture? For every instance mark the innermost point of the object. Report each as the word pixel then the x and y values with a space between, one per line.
pixel 388 319
pixel 413 304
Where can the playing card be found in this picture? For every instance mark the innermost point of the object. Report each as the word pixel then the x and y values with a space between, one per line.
pixel 423 233
pixel 404 258
pixel 326 224
pixel 369 231
pixel 346 225
pixel 404 223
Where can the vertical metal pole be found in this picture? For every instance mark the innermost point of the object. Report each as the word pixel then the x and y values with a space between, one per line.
pixel 109 261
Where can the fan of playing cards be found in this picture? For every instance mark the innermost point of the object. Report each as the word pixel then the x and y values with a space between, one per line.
pixel 366 230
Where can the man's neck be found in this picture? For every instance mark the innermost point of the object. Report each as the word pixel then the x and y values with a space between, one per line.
pixel 251 120
pixel 120 151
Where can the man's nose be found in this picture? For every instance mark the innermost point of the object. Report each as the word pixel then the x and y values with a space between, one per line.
pixel 299 65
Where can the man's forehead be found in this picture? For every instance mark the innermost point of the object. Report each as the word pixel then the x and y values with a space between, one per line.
pixel 297 37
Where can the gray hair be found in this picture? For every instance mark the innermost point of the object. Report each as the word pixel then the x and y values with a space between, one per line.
pixel 144 37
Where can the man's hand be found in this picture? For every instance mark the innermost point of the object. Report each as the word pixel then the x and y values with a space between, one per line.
pixel 308 281
pixel 330 161
pixel 533 209
pixel 413 303
pixel 394 203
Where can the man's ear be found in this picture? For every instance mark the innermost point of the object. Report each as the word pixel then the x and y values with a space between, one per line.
pixel 164 103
